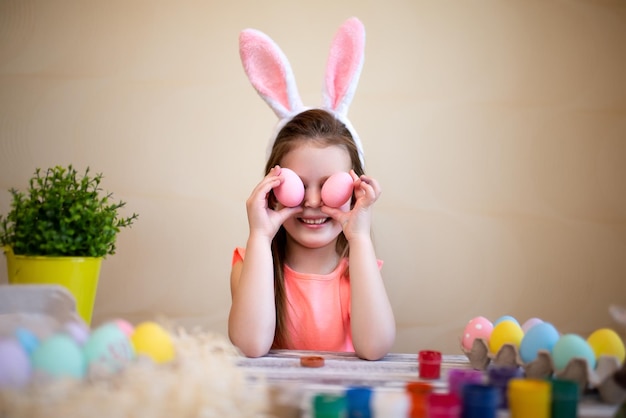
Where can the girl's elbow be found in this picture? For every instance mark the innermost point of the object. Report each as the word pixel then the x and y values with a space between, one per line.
pixel 250 347
pixel 371 354
pixel 375 350
pixel 254 352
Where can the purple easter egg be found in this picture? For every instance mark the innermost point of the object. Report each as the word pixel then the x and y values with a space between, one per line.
pixel 15 367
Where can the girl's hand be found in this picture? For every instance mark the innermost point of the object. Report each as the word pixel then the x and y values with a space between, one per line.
pixel 263 219
pixel 358 220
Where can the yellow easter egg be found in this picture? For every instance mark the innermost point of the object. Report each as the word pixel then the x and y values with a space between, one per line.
pixel 505 332
pixel 606 342
pixel 150 339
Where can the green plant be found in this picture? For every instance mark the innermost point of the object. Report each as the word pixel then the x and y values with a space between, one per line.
pixel 63 214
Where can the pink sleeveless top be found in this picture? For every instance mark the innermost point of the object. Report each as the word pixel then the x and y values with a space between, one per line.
pixel 318 308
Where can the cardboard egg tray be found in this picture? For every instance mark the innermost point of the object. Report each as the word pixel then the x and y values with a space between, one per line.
pixel 608 377
pixel 39 308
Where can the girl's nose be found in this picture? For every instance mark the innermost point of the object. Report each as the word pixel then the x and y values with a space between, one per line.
pixel 312 197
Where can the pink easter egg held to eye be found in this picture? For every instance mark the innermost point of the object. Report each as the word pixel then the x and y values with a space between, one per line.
pixel 337 190
pixel 290 192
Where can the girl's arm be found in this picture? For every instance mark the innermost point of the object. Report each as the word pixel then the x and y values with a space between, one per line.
pixel 252 318
pixel 372 320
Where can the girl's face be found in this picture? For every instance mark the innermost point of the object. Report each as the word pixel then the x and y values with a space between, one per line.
pixel 311 228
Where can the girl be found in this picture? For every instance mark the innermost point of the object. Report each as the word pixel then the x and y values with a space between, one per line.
pixel 309 278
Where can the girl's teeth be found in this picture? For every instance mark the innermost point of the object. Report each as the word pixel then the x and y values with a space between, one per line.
pixel 314 221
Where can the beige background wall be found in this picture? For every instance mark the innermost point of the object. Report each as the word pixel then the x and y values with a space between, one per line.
pixel 497 130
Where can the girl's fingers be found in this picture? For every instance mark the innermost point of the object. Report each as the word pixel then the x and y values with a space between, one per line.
pixel 286 213
pixel 270 181
pixel 370 187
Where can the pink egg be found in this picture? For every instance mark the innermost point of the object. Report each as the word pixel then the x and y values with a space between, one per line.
pixel 291 191
pixel 479 327
pixel 125 326
pixel 337 189
pixel 530 323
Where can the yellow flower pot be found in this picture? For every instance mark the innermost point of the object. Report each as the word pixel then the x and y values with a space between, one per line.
pixel 78 274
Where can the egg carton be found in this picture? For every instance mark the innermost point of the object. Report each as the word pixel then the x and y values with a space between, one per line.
pixel 608 377
pixel 38 307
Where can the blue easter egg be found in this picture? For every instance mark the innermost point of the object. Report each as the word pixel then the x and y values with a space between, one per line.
pixel 542 336
pixel 59 356
pixel 108 347
pixel 15 367
pixel 505 318
pixel 27 339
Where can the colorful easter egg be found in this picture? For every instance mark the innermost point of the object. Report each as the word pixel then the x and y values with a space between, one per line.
pixel 337 189
pixel 291 191
pixel 59 356
pixel 530 323
pixel 505 332
pixel 606 342
pixel 505 318
pixel 79 331
pixel 15 367
pixel 478 327
pixel 109 348
pixel 27 339
pixel 571 346
pixel 126 327
pixel 151 340
pixel 542 336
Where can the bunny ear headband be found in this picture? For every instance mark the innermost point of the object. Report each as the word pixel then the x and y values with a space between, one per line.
pixel 270 73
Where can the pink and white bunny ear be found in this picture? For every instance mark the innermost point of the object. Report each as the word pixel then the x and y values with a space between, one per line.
pixel 343 70
pixel 271 75
pixel 344 65
pixel 269 72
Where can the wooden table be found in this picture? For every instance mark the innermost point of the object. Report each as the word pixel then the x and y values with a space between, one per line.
pixel 293 386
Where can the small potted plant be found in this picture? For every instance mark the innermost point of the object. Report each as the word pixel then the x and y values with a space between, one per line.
pixel 63 225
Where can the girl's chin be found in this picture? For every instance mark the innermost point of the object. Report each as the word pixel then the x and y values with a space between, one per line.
pixel 314 236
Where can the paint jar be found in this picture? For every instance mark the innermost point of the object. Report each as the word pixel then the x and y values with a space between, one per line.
pixel 358 401
pixel 329 405
pixel 564 398
pixel 457 378
pixel 418 392
pixel 480 401
pixel 443 405
pixel 499 376
pixel 390 403
pixel 529 398
pixel 429 364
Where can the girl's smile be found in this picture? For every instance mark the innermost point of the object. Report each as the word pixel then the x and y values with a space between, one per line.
pixel 314 222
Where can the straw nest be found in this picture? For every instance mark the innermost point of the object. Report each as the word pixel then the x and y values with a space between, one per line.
pixel 203 381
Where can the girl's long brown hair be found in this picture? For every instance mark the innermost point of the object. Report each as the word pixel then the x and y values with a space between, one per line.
pixel 321 128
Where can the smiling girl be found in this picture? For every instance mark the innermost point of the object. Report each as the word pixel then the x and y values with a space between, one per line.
pixel 309 278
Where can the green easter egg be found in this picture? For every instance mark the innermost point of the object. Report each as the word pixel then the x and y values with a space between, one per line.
pixel 108 346
pixel 571 346
pixel 59 356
